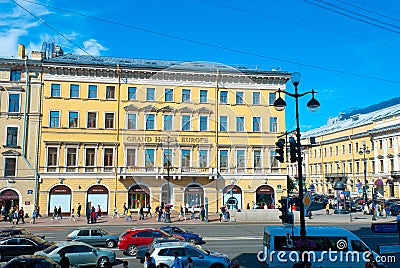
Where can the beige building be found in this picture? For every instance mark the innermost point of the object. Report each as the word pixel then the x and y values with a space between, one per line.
pixel 20 100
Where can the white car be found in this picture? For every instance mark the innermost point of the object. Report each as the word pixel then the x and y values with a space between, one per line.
pixel 164 253
pixel 79 254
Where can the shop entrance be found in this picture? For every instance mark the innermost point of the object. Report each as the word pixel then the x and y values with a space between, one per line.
pixel 9 199
pixel 265 196
pixel 138 195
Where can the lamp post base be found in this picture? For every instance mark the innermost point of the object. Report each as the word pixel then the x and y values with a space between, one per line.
pixel 167 215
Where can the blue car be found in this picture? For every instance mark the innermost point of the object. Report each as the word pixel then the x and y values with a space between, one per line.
pixel 189 237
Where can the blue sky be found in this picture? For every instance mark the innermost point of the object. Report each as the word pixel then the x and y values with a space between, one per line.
pixel 337 55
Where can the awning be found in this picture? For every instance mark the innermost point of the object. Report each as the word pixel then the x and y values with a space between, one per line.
pixel 379 182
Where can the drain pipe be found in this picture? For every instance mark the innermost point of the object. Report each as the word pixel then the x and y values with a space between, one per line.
pixel 25 132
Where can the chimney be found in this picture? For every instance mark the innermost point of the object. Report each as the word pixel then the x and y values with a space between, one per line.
pixel 21 51
pixel 37 55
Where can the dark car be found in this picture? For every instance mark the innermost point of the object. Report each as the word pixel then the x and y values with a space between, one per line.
pixel 141 250
pixel 13 246
pixel 31 261
pixel 94 236
pixel 394 209
pixel 188 236
pixel 17 231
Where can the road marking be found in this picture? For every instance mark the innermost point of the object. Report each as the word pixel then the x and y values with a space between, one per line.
pixel 127 258
pixel 232 238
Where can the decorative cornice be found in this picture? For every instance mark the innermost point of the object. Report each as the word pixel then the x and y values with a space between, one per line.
pixel 11 153
pixel 131 108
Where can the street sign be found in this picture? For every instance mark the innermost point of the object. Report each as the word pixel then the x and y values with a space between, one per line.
pixel 307 200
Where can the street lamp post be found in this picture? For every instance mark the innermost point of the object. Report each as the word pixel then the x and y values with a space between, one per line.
pixel 167 206
pixel 313 106
pixel 363 151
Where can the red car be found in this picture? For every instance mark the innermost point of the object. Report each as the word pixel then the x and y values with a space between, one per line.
pixel 132 238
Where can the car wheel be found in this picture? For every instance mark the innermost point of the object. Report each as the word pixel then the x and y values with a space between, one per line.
pixel 110 244
pixel 192 240
pixel 132 250
pixel 102 262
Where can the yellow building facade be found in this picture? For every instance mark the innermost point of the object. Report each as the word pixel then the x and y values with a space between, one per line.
pixel 138 132
pixel 360 148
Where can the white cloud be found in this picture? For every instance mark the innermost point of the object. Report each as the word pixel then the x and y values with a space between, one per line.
pixel 91 46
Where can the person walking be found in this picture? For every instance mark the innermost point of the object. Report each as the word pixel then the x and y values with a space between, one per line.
pixel 34 215
pixel 149 262
pixel 189 263
pixel 327 208
pixel 15 217
pixel 54 213
pixel 202 214
pixel 182 214
pixel 72 216
pixel 125 209
pixel 148 211
pixel 78 211
pixel 192 217
pixel 177 261
pixel 98 212
pixel 93 215
pixel 141 212
pixel 59 214
pixel 115 215
pixel 64 261
pixel 128 215
pixel 21 215
pixel 38 215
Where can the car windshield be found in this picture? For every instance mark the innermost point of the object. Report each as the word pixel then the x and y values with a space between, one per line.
pixel 38 239
pixel 164 233
pixel 104 232
pixel 50 249
pixel 204 251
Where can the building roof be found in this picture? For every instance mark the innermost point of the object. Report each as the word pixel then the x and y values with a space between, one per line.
pixel 157 64
pixel 356 118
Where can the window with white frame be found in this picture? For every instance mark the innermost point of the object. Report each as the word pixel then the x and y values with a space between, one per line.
pixel 185 95
pixel 131 93
pixel 131 124
pixel 273 162
pixel 13 102
pixel 108 159
pixel 256 124
pixel 10 167
pixel 167 159
pixel 71 162
pixel 150 121
pixel 108 120
pixel 203 123
pixel 92 92
pixel 240 123
pixel 52 159
pixel 55 90
pixel 150 94
pixel 169 95
pixel 74 91
pixel 223 123
pixel 12 137
pixel 203 158
pixel 90 159
pixel 271 98
pixel 91 119
pixel 54 119
pixel 149 158
pixel 167 122
pixel 239 98
pixel 273 124
pixel 73 120
pixel 185 158
pixel 185 122
pixel 15 75
pixel 256 98
pixel 240 159
pixel 131 157
pixel 223 158
pixel 223 97
pixel 257 161
pixel 110 92
pixel 203 96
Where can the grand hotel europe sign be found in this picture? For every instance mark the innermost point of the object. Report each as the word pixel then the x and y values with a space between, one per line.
pixel 148 139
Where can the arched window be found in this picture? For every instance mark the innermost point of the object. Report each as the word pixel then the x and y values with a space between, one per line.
pixel 164 193
pixel 138 195
pixel 194 196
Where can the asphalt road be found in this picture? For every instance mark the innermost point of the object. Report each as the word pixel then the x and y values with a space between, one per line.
pixel 239 241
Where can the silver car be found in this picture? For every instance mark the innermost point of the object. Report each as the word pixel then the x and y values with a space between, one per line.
pixel 164 253
pixel 94 236
pixel 79 254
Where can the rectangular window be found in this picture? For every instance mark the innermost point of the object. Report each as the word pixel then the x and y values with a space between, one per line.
pixel 131 157
pixel 149 158
pixel 150 94
pixel 167 158
pixel 185 158
pixel 256 98
pixel 12 137
pixel 257 159
pixel 109 120
pixel 203 123
pixel 92 92
pixel 55 90
pixel 185 122
pixel 390 143
pixel 185 95
pixel 203 158
pixel 271 98
pixel 223 158
pixel 91 120
pixel 223 123
pixel 273 124
pixel 240 124
pixel 169 94
pixel 350 148
pixel 71 159
pixel 223 97
pixel 108 157
pixel 167 122
pixel 131 93
pixel 150 124
pixel 90 158
pixel 15 75
pixel 131 121
pixel 10 165
pixel 110 92
pixel 73 119
pixel 52 158
pixel 54 120
pixel 13 103
pixel 74 91
pixel 240 159
pixel 239 97
pixel 203 96
pixel 256 124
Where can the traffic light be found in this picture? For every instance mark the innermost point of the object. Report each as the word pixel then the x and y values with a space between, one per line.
pixel 292 149
pixel 280 152
pixel 287 217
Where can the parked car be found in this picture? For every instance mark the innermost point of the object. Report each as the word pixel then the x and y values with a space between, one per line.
pixel 31 261
pixel 13 246
pixel 132 238
pixel 394 209
pixel 188 236
pixel 94 236
pixel 17 231
pixel 141 250
pixel 79 254
pixel 164 253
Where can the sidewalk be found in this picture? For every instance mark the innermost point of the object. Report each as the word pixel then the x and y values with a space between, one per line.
pixel 320 216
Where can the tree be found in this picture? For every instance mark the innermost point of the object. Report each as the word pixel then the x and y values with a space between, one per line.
pixel 291 187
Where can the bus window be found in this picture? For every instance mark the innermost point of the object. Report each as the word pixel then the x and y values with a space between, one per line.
pixel 358 245
pixel 267 240
pixel 337 243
